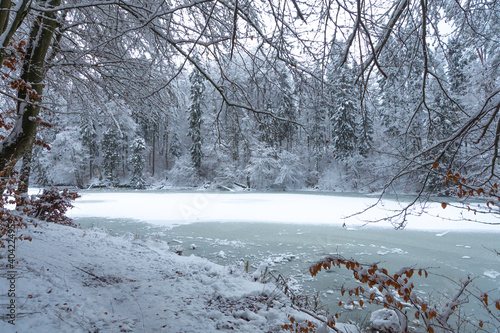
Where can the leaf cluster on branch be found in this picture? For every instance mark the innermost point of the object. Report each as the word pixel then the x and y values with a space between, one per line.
pixel 397 292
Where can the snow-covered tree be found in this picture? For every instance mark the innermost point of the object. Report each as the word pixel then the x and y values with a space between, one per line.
pixel 316 119
pixel 457 65
pixel 403 114
pixel 365 133
pixel 110 157
pixel 343 111
pixel 195 117
pixel 106 68
pixel 175 146
pixel 344 129
pixel 183 173
pixel 263 168
pixel 63 163
pixel 137 162
pixel 286 109
pixel 291 171
pixel 90 144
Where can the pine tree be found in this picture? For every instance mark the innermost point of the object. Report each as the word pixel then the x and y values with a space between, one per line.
pixel 343 115
pixel 344 129
pixel 445 119
pixel 402 112
pixel 175 146
pixel 138 163
pixel 318 138
pixel 364 129
pixel 286 110
pixel 90 143
pixel 267 124
pixel 195 117
pixel 457 63
pixel 111 157
pixel 365 134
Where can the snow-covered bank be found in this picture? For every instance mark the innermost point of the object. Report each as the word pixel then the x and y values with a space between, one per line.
pixel 171 208
pixel 73 280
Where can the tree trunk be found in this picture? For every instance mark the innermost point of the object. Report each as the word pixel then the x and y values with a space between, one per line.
pixel 166 150
pixel 25 175
pixel 91 169
pixel 30 91
pixel 8 25
pixel 154 153
pixel 4 14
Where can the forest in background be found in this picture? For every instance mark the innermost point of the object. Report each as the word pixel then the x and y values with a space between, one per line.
pixel 355 95
pixel 334 134
pixel 338 96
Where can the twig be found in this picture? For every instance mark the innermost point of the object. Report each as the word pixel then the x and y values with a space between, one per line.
pixel 93 275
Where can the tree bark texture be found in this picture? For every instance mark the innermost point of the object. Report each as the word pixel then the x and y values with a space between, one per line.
pixel 30 91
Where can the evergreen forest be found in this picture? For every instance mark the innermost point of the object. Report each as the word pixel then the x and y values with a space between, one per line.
pixel 280 95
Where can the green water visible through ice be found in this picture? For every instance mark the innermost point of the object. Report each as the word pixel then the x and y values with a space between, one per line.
pixel 291 249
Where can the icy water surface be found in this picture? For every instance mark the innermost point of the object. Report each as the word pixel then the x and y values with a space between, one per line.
pixel 290 249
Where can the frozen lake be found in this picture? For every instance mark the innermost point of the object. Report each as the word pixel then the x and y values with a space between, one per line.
pixel 292 231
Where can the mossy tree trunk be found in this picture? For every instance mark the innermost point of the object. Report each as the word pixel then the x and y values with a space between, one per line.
pixel 29 97
pixel 11 17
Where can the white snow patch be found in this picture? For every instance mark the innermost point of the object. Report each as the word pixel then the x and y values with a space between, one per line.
pixel 491 274
pixel 261 270
pixel 391 251
pixel 385 320
pixel 173 208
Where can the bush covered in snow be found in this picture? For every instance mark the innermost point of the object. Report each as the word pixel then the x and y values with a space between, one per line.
pixel 184 174
pixel 291 171
pixel 263 168
pixel 270 169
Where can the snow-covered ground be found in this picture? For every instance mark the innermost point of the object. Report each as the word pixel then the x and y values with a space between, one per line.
pixel 74 280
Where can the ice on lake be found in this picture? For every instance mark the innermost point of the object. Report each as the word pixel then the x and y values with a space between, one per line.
pixel 288 232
